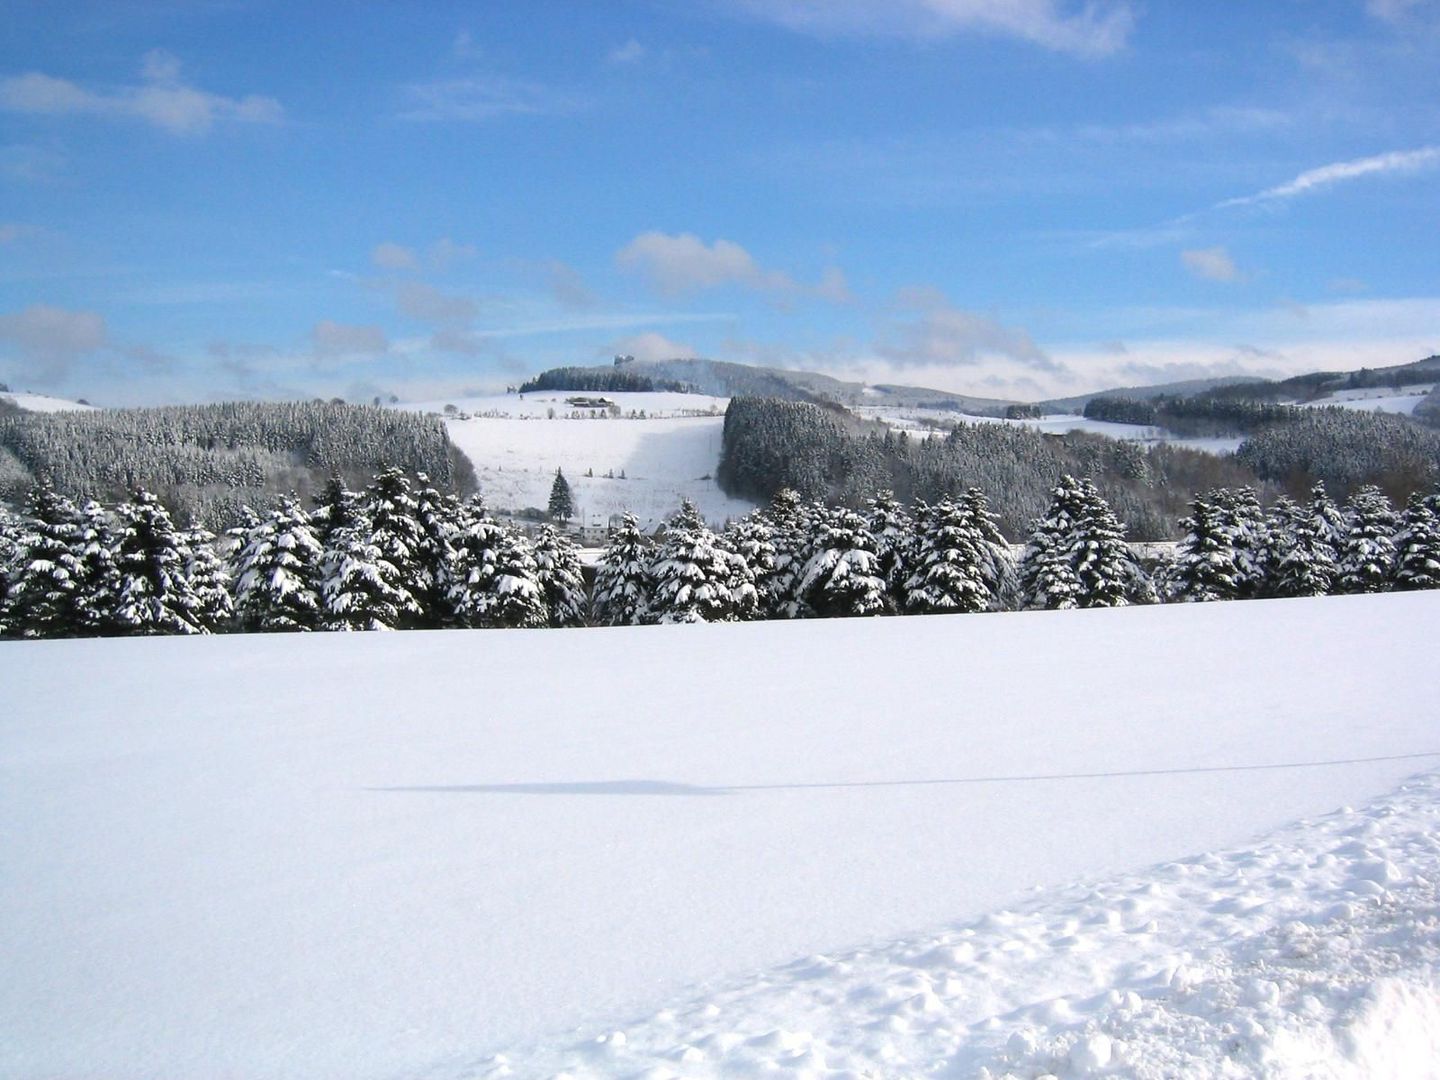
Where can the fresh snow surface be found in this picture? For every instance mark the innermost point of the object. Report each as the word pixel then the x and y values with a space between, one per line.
pixel 1376 399
pixel 41 403
pixel 398 855
pixel 670 455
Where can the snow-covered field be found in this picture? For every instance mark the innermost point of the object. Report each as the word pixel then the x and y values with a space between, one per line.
pixel 613 464
pixel 42 403
pixel 1376 399
pixel 740 847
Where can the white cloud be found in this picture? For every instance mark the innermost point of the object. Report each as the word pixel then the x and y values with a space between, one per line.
pixel 332 339
pixel 1212 264
pixel 652 346
pixel 568 286
pixel 481 98
pixel 425 303
pixel 1394 11
pixel 940 334
pixel 49 340
pixel 445 253
pixel 1396 161
pixel 1094 28
pixel 390 256
pixel 684 263
pixel 161 99
pixel 632 52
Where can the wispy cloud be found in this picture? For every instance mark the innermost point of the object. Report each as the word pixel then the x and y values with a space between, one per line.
pixel 162 99
pixel 632 52
pixel 1212 264
pixel 939 333
pixel 1396 161
pixel 1094 28
pixel 48 341
pixel 488 97
pixel 334 340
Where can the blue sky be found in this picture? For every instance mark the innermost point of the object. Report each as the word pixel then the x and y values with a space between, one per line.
pixel 213 199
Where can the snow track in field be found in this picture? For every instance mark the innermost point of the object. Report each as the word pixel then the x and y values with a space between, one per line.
pixel 1313 954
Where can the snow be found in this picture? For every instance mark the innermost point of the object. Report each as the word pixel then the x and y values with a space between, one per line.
pixel 42 403
pixel 1375 399
pixel 718 848
pixel 670 455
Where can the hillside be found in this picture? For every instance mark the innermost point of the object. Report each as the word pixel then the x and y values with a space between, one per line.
pixel 411 852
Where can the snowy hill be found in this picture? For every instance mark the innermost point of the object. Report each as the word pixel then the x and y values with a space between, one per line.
pixel 659 449
pixel 400 854
pixel 42 403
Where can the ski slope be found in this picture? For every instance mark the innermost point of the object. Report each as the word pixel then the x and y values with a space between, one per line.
pixel 399 855
pixel 644 465
pixel 43 403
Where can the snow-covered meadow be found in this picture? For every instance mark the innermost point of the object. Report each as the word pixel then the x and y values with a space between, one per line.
pixel 740 846
pixel 646 465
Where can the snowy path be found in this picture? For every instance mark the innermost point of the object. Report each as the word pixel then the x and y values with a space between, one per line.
pixel 382 855
pixel 1313 954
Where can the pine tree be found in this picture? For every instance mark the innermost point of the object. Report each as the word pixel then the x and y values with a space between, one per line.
pixel 948 574
pixel 336 508
pixel 46 588
pixel 562 500
pixel 276 573
pixel 1300 556
pixel 790 521
pixel 395 532
pixel 1417 545
pixel 495 581
pixel 97 544
pixel 359 589
pixel 1366 557
pixel 752 541
pixel 1206 565
pixel 557 564
pixel 438 516
pixel 9 562
pixel 1048 579
pixel 210 581
pixel 691 574
pixel 622 578
pixel 842 576
pixel 1241 522
pixel 894 532
pixel 997 566
pixel 153 560
pixel 1107 571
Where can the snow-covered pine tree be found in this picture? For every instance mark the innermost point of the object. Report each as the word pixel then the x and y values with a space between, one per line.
pixel 842 576
pixel 9 562
pixel 622 578
pixel 46 587
pixel 894 531
pixel 557 564
pixel 1206 563
pixel 690 573
pixel 790 521
pixel 1417 545
pixel 752 539
pixel 947 574
pixel 209 580
pixel 1106 568
pixel 494 579
pixel 1300 557
pixel 276 573
pixel 562 499
pixel 390 506
pixel 1366 557
pixel 997 566
pixel 152 559
pixel 1047 577
pixel 336 508
pixel 359 589
pixel 1242 523
pixel 96 544
pixel 438 515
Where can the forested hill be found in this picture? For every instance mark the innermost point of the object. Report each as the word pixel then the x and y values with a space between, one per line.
pixel 825 454
pixel 206 461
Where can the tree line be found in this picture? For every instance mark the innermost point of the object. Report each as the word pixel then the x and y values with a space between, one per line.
pixel 401 554
pixel 207 461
